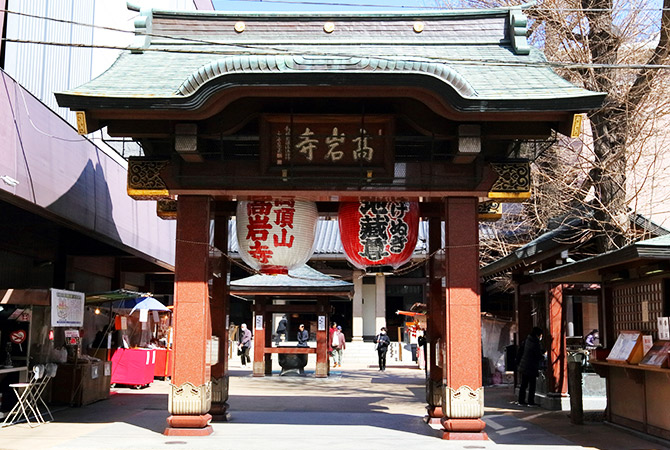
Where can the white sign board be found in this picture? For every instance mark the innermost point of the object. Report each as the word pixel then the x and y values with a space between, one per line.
pixel 67 308
pixel 663 328
pixel 259 322
pixel 322 323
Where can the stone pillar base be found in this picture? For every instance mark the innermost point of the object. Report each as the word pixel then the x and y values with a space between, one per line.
pixel 357 339
pixel 464 429
pixel 187 425
pixel 455 436
pixel 434 416
pixel 259 368
pixel 219 412
pixel 322 369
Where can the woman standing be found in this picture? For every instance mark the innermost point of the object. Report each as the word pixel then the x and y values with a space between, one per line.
pixel 383 341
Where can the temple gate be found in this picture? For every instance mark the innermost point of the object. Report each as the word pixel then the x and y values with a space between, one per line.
pixel 427 107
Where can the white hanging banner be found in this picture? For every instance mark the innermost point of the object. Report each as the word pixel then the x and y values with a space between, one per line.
pixel 144 315
pixel 276 235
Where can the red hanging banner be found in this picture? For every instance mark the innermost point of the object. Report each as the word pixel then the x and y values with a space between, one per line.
pixel 379 234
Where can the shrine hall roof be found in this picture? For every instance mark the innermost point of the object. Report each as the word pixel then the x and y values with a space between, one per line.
pixel 303 278
pixel 477 60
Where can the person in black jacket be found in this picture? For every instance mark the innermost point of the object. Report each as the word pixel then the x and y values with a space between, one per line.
pixel 303 336
pixel 383 341
pixel 531 355
pixel 280 336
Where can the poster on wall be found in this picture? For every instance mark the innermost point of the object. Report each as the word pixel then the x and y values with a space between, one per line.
pixel 67 308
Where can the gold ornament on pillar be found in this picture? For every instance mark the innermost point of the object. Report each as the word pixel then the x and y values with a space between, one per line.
pixel 463 403
pixel 188 399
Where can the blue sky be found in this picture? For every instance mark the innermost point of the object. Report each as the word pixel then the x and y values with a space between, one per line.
pixel 321 5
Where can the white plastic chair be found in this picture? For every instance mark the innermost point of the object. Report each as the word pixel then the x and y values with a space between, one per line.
pixel 26 399
pixel 49 373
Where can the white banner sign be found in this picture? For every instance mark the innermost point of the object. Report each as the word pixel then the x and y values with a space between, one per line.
pixel 67 308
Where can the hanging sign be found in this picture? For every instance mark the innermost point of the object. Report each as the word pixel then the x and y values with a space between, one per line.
pixel 67 308
pixel 379 234
pixel 18 336
pixel 333 141
pixel 71 333
pixel 276 235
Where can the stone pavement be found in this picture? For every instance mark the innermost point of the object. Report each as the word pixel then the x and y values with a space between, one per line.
pixel 358 408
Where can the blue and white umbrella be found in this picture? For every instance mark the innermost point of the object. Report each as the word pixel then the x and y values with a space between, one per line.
pixel 149 303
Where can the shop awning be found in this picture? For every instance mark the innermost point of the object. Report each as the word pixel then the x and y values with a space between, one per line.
pixel 115 296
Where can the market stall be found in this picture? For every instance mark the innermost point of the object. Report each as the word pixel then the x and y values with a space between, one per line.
pixel 135 338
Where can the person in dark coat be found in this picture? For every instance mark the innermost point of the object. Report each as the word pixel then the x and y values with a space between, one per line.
pixel 531 355
pixel 281 330
pixel 383 341
pixel 303 336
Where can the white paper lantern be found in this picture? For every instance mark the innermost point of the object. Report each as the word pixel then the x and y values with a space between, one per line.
pixel 276 235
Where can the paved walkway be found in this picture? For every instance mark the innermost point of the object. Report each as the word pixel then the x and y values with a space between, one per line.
pixel 353 409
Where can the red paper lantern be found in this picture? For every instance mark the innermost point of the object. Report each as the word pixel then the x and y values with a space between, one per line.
pixel 275 235
pixel 379 235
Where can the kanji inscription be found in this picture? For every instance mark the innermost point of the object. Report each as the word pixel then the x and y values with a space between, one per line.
pixel 331 141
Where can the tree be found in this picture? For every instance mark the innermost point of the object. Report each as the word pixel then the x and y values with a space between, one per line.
pixel 615 47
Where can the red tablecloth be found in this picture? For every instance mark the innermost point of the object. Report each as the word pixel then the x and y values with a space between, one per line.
pixel 163 362
pixel 134 366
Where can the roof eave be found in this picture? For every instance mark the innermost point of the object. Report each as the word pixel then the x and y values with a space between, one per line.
pixel 594 264
pixel 289 81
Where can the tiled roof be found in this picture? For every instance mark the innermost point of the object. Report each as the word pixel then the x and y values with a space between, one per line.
pixel 478 59
pixel 303 278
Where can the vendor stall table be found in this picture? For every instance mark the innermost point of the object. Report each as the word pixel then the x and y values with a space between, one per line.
pixel 134 366
pixel 163 362
pixel 81 384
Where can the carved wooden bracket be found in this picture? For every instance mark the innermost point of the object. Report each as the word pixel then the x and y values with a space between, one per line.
pixel 513 183
pixel 144 179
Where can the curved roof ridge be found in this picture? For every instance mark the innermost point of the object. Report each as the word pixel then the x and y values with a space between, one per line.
pixel 315 63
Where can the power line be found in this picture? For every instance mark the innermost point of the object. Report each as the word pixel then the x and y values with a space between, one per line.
pixel 271 50
pixel 268 49
pixel 533 8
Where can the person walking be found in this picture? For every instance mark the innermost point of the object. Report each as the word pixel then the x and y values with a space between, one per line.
pixel 338 346
pixel 331 336
pixel 244 345
pixel 303 336
pixel 383 341
pixel 531 355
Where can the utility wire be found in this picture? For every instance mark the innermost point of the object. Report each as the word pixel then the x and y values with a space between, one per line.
pixel 266 49
pixel 465 8
pixel 271 50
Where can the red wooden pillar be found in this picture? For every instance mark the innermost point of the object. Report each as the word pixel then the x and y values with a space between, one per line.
pixel 322 365
pixel 219 307
pixel 191 389
pixel 267 339
pixel 435 333
pixel 463 397
pixel 554 337
pixel 259 335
